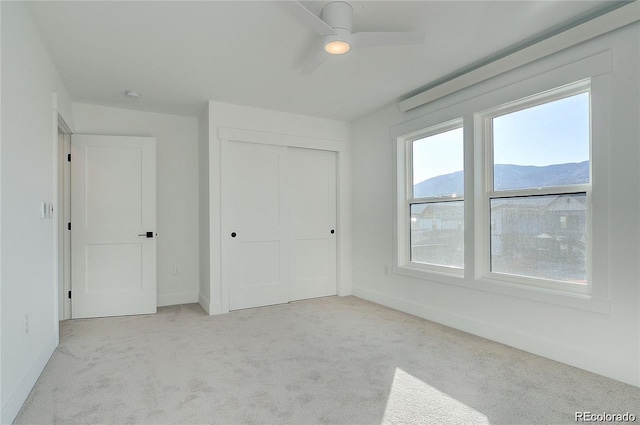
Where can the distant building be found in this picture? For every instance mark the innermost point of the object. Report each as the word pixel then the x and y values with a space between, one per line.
pixel 541 236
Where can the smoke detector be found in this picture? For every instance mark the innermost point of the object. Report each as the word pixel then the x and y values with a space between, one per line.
pixel 132 94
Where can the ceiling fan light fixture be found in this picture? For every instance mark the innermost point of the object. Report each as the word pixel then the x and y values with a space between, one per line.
pixel 337 47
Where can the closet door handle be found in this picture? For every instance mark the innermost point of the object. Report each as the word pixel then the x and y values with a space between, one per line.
pixel 233 234
pixel 332 231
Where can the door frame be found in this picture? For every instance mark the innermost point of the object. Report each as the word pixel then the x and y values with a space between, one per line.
pixel 62 239
pixel 227 135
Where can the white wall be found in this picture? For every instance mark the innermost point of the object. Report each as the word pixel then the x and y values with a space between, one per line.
pixel 177 189
pixel 223 115
pixel 28 281
pixel 607 344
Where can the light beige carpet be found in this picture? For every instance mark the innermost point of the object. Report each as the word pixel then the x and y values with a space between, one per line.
pixel 324 361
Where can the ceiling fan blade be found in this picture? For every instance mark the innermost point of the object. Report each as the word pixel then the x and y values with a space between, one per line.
pixel 308 17
pixel 369 39
pixel 315 62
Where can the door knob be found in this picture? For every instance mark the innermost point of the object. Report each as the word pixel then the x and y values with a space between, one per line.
pixel 332 231
pixel 233 234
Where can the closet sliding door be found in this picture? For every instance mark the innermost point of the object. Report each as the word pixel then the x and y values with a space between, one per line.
pixel 254 213
pixel 279 223
pixel 312 223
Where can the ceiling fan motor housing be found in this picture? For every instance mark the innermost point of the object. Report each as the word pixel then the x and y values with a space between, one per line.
pixel 338 15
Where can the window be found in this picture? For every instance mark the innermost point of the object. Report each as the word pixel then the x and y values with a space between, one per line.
pixel 528 210
pixel 536 207
pixel 538 186
pixel 435 201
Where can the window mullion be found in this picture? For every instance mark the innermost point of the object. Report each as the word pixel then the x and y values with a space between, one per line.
pixel 436 199
pixel 559 190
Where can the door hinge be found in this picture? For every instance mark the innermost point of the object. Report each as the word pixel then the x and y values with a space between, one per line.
pixel 69 294
pixel 69 225
pixel 68 157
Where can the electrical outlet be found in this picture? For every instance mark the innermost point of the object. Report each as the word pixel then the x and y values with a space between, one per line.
pixel 177 270
pixel 26 324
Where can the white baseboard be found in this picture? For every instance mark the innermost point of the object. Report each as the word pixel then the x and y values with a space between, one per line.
pixel 204 303
pixel 216 308
pixel 16 400
pixel 209 307
pixel 593 362
pixel 175 299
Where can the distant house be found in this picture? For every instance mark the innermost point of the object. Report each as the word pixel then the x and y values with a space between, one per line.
pixel 550 230
pixel 437 233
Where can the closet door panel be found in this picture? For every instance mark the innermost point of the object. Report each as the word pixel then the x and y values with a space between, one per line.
pixel 312 234
pixel 255 223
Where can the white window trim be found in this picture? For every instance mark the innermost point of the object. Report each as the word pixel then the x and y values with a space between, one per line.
pixel 552 75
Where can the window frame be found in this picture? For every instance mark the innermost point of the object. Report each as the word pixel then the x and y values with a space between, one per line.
pixel 484 121
pixel 405 144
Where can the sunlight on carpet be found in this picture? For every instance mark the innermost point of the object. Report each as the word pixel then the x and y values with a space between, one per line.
pixel 414 401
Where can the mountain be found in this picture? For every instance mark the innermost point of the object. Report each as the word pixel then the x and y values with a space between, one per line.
pixel 508 176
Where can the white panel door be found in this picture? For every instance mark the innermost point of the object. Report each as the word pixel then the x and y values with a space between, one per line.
pixel 254 238
pixel 312 229
pixel 113 217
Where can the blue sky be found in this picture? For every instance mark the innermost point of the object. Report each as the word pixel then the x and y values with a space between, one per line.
pixel 552 133
pixel 437 155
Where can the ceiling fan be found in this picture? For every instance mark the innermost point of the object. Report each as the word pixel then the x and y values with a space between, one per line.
pixel 335 26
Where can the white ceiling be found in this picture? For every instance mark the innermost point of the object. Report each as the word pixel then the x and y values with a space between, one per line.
pixel 180 54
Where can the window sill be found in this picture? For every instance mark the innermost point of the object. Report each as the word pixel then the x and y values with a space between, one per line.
pixel 439 274
pixel 510 289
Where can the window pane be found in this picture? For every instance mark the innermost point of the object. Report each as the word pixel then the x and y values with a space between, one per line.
pixel 540 236
pixel 546 145
pixel 437 165
pixel 437 233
